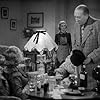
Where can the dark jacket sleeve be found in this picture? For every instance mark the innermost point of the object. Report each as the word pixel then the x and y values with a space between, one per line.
pixel 4 88
pixel 17 86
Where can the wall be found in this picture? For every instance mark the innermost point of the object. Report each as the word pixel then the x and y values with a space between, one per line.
pixel 7 36
pixel 59 13
pixel 18 9
pixel 54 11
pixel 45 6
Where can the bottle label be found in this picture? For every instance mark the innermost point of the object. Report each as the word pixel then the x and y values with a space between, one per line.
pixel 82 76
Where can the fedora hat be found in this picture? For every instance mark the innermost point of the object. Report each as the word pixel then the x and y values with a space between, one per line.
pixel 77 58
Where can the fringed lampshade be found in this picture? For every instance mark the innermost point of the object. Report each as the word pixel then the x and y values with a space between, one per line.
pixel 39 41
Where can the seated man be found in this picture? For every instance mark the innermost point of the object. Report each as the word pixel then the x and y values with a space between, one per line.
pixel 69 66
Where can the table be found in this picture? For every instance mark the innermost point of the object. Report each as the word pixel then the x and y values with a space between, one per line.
pixel 46 95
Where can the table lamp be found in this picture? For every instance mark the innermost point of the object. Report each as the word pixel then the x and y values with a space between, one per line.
pixel 39 41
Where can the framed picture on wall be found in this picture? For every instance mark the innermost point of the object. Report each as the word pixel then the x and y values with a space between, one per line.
pixel 35 20
pixel 4 12
pixel 13 24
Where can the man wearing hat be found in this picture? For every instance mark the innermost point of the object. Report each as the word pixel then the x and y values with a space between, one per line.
pixel 69 66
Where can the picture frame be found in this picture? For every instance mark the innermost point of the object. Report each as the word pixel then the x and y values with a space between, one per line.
pixel 35 20
pixel 13 24
pixel 4 12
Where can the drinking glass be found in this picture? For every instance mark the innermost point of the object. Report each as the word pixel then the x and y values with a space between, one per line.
pixel 52 82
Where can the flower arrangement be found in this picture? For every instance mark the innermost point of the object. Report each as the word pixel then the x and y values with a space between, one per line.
pixel 28 32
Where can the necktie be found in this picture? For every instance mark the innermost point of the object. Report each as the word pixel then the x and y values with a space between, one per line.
pixel 82 29
pixel 81 33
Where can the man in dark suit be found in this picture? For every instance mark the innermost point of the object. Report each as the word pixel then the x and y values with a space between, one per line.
pixel 87 39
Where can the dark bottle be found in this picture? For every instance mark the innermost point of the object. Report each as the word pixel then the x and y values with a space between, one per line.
pixel 83 78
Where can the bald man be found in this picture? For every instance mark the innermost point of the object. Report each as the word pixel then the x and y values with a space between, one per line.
pixel 87 39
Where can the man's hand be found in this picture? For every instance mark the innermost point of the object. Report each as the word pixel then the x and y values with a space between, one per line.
pixel 87 61
pixel 66 82
pixel 58 75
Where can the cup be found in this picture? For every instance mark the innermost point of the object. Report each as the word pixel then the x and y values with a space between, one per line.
pixel 52 82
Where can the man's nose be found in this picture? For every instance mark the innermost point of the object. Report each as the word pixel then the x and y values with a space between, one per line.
pixel 76 19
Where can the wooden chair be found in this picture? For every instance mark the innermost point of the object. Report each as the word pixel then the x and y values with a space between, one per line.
pixel 9 98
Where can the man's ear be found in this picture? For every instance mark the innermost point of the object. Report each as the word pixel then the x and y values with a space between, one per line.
pixel 86 16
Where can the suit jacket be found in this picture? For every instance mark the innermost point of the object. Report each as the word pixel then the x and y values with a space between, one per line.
pixel 90 45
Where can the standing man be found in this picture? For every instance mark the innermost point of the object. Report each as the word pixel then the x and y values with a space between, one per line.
pixel 87 39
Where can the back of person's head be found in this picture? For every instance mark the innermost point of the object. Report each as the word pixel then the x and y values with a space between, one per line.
pixel 84 8
pixel 60 23
pixel 13 55
pixel 77 58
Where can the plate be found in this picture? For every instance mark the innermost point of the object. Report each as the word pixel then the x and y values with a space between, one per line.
pixel 74 92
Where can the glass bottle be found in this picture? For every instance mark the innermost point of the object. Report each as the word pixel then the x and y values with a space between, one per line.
pixel 83 78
